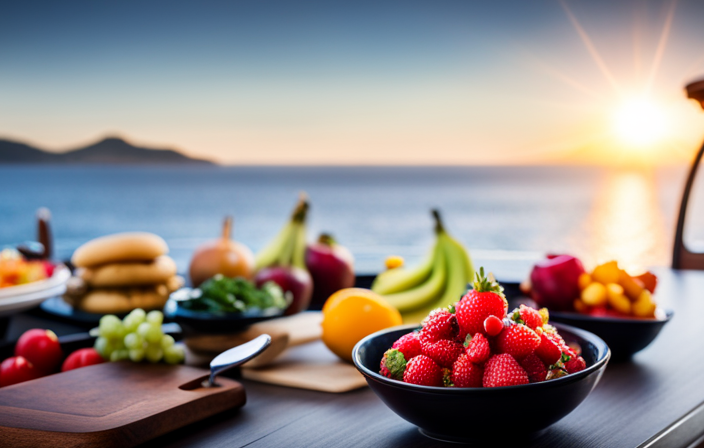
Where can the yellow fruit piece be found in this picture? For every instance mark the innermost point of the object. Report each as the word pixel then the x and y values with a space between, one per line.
pixel 631 287
pixel 606 273
pixel 644 305
pixel 594 294
pixel 617 299
pixel 394 261
pixel 584 280
pixel 580 306
pixel 354 315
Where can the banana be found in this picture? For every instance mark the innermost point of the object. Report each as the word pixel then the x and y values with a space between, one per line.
pixel 459 265
pixel 429 290
pixel 401 279
pixel 289 245
pixel 270 254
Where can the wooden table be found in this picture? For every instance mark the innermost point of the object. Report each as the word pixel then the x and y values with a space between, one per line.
pixel 655 401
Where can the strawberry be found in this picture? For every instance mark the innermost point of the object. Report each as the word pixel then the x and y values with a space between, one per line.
pixel 531 317
pixel 409 345
pixel 503 370
pixel 444 352
pixel 535 368
pixel 548 351
pixel 552 334
pixel 518 341
pixel 393 364
pixel 466 373
pixel 478 349
pixel 440 324
pixel 486 299
pixel 575 365
pixel 423 370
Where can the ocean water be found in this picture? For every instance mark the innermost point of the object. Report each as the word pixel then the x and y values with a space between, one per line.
pixel 507 216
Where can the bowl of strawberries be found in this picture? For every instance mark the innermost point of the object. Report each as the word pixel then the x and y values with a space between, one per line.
pixel 474 369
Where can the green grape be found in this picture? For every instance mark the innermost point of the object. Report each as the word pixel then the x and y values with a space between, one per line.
pixel 138 314
pixel 167 341
pixel 174 354
pixel 133 341
pixel 154 353
pixel 104 347
pixel 155 317
pixel 154 334
pixel 136 355
pixel 119 355
pixel 143 329
pixel 110 326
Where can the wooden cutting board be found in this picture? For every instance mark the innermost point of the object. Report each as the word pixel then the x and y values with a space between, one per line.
pixel 110 405
pixel 309 366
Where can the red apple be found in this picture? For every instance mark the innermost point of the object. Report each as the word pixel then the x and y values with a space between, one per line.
pixel 554 281
pixel 291 279
pixel 17 370
pixel 41 348
pixel 331 266
pixel 82 358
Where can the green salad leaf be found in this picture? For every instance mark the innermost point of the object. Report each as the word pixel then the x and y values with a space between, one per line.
pixel 235 295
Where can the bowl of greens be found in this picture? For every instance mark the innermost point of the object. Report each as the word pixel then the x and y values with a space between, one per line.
pixel 225 305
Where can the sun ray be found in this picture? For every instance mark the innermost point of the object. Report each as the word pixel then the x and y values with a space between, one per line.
pixel 591 48
pixel 566 79
pixel 657 60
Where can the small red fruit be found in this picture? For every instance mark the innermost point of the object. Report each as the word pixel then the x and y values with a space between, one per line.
pixel 41 348
pixel 478 349
pixel 440 324
pixel 82 358
pixel 409 345
pixel 486 299
pixel 466 374
pixel 503 370
pixel 423 371
pixel 493 325
pixel 548 351
pixel 531 317
pixel 575 365
pixel 518 341
pixel 17 370
pixel 535 368
pixel 444 352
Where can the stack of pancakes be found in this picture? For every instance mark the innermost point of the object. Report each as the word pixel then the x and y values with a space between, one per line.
pixel 118 273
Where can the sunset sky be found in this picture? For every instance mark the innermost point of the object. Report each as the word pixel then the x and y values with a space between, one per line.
pixel 366 82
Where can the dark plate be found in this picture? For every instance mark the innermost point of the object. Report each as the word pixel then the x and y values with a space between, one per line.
pixel 625 336
pixel 60 310
pixel 479 414
pixel 214 323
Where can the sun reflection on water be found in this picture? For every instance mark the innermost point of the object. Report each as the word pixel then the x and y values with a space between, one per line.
pixel 625 222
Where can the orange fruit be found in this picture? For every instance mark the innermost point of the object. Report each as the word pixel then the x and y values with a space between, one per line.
pixel 353 313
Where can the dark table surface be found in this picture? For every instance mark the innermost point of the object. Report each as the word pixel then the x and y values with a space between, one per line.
pixel 652 400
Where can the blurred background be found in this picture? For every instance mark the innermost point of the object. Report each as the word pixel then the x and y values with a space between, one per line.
pixel 544 126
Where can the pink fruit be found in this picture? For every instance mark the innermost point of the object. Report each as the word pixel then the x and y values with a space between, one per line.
pixel 554 281
pixel 331 266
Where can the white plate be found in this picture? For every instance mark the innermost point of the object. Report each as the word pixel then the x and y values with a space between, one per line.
pixel 60 277
pixel 31 297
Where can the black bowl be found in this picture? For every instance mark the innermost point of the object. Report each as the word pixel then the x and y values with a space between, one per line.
pixel 480 414
pixel 625 336
pixel 193 322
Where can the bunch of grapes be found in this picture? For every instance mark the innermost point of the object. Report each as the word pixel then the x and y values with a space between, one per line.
pixel 136 337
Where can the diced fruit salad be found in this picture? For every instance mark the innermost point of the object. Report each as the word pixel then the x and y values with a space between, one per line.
pixel 561 283
pixel 16 270
pixel 477 343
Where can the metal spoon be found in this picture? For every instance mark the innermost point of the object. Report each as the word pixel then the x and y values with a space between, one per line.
pixel 236 356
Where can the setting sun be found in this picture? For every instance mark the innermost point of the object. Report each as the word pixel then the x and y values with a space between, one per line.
pixel 639 123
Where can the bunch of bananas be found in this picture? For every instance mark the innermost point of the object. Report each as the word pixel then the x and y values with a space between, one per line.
pixel 437 282
pixel 289 246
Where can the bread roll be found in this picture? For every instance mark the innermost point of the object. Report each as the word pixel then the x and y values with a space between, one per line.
pixel 124 300
pixel 119 247
pixel 159 270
